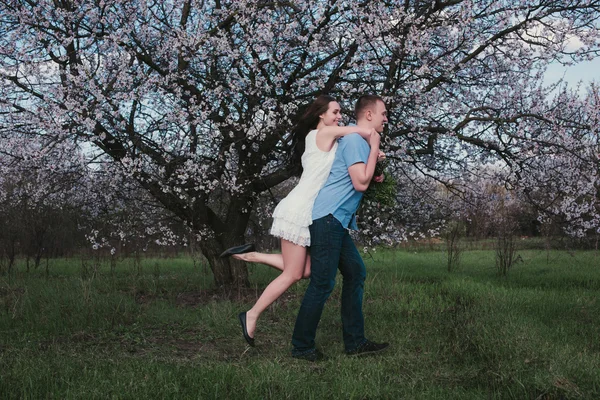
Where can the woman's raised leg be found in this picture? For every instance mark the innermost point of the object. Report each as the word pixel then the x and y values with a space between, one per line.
pixel 273 260
pixel 294 260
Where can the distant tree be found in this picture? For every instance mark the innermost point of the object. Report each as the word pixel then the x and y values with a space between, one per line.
pixel 42 192
pixel 564 177
pixel 124 220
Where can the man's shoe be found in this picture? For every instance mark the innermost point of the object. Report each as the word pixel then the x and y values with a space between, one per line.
pixel 310 355
pixel 242 318
pixel 367 347
pixel 245 248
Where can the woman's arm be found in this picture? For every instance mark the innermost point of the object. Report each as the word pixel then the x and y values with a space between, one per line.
pixel 334 131
pixel 328 134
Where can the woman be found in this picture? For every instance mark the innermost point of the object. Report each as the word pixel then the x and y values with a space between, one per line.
pixel 293 214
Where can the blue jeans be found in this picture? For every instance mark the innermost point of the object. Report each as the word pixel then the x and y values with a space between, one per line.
pixel 331 248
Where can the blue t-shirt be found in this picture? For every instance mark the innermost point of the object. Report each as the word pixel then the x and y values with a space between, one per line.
pixel 338 196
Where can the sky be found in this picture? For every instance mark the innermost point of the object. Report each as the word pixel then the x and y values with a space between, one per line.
pixel 585 72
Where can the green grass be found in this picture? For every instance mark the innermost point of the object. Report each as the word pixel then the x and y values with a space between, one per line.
pixel 163 331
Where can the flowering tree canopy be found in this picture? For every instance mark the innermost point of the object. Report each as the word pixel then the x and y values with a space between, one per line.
pixel 196 100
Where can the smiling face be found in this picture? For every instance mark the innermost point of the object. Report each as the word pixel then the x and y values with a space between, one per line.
pixel 332 116
pixel 371 112
pixel 379 116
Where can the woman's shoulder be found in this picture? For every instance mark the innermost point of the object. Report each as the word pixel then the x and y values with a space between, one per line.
pixel 311 139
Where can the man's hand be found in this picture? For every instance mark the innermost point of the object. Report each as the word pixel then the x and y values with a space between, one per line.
pixel 379 167
pixel 379 178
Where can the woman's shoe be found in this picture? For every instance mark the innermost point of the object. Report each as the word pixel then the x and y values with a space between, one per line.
pixel 245 248
pixel 242 318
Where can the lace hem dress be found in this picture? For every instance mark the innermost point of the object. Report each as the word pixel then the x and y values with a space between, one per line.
pixel 293 214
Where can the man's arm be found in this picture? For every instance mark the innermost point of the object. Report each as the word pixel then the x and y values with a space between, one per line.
pixel 361 173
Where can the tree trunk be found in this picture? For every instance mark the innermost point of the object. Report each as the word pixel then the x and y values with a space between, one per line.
pixel 11 253
pixel 226 271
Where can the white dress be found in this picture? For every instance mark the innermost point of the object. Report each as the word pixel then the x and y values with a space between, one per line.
pixel 293 214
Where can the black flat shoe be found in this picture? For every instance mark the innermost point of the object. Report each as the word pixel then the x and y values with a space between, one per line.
pixel 245 248
pixel 242 318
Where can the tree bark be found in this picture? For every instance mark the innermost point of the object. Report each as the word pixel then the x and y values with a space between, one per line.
pixel 226 271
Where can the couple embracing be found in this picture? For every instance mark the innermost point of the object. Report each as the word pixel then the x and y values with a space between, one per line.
pixel 313 222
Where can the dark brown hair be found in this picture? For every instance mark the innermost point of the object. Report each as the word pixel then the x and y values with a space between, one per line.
pixel 307 122
pixel 310 118
pixel 364 102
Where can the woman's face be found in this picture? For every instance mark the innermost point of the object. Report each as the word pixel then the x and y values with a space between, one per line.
pixel 333 114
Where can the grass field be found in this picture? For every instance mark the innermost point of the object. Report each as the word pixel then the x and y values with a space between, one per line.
pixel 165 332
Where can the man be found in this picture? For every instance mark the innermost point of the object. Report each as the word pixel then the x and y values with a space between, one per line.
pixel 331 246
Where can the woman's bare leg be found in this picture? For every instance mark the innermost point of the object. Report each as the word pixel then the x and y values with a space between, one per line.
pixel 273 260
pixel 294 259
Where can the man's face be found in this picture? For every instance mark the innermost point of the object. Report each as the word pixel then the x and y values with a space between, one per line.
pixel 379 116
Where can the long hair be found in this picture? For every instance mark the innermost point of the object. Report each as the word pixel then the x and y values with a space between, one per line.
pixel 307 122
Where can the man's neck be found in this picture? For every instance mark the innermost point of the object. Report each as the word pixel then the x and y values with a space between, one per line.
pixel 363 124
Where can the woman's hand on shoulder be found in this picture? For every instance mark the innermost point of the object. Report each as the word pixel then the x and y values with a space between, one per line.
pixel 365 132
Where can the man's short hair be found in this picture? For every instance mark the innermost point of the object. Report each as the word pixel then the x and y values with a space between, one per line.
pixel 364 102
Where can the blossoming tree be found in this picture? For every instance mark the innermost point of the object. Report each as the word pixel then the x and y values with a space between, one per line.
pixel 196 100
